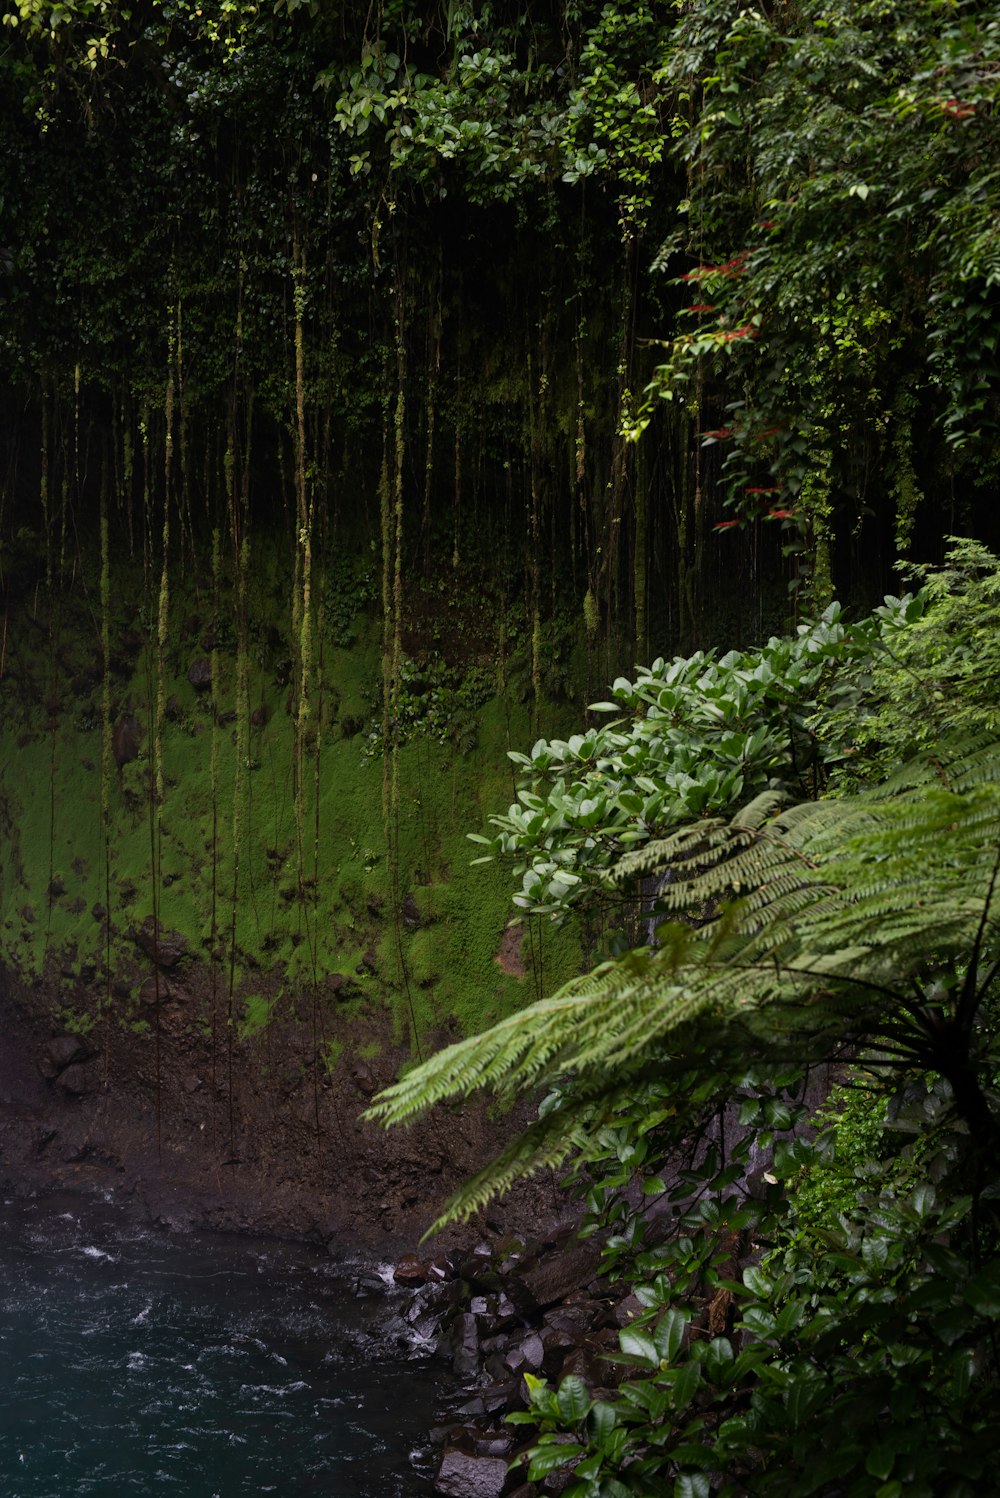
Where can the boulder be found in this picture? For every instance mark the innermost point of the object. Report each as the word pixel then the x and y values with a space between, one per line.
pixel 200 673
pixel 59 1053
pixel 464 1474
pixel 126 739
pixel 362 1076
pixel 340 987
pixel 165 948
pixel 535 1285
pixel 465 1345
pixel 525 1354
pixel 77 1080
pixel 410 1271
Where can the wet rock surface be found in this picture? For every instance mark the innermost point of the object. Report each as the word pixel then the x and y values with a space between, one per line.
pixel 167 1105
pixel 165 948
pixel 504 1309
pixel 126 739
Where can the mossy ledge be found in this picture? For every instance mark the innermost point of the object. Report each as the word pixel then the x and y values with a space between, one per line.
pixel 223 1040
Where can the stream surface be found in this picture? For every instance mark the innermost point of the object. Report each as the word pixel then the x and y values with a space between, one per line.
pixel 208 1366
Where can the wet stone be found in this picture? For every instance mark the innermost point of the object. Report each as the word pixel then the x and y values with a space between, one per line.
pixel 59 1053
pixel 126 739
pixel 527 1354
pixel 552 1278
pixel 200 673
pixel 76 1080
pixel 410 1271
pixel 165 948
pixel 468 1475
pixel 465 1345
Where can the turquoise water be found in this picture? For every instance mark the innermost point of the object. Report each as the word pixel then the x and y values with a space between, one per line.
pixel 208 1366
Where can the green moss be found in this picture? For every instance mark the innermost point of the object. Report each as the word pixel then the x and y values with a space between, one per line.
pixel 306 908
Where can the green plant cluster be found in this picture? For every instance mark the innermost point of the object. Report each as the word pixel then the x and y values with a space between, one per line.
pixel 855 1356
pixel 706 733
pixel 816 1297
pixel 438 700
pixel 843 267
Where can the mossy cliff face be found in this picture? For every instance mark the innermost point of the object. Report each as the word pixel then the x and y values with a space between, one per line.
pixel 251 915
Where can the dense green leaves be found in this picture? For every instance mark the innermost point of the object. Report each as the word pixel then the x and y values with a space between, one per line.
pixel 702 735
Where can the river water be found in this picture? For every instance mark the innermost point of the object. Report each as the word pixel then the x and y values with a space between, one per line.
pixel 206 1366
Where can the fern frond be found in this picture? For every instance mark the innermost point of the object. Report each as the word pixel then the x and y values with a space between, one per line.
pixel 814 922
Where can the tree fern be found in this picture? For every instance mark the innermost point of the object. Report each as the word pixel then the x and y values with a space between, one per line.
pixel 795 930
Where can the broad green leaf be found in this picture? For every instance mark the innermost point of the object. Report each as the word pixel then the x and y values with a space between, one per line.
pixel 719 1358
pixel 692 1485
pixel 638 1345
pixel 685 1385
pixel 573 1399
pixel 669 1333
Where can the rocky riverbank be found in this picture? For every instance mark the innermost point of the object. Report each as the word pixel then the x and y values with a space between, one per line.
pixel 257 1136
pixel 495 1313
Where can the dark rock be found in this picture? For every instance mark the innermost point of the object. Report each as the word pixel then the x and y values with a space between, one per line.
pixel 480 1271
pixel 535 1285
pixel 200 673
pixel 465 1475
pixel 61 1052
pixel 27 914
pixel 78 905
pixel 410 1271
pixel 98 911
pixel 57 887
pixel 165 948
pixel 362 1076
pixel 465 1345
pixel 173 709
pixel 412 919
pixel 495 1443
pixel 350 727
pixel 153 990
pixel 555 1341
pixel 527 1353
pixel 340 987
pixel 623 1313
pixel 126 739
pixel 77 1080
pixel 582 1362
pixel 259 717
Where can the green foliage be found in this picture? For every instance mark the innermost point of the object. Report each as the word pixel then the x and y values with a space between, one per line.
pixel 438 700
pixel 818 1304
pixel 855 1354
pixel 509 111
pixel 933 676
pixel 834 924
pixel 844 272
pixel 705 734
